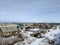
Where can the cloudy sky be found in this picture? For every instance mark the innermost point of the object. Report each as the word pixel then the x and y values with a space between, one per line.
pixel 30 10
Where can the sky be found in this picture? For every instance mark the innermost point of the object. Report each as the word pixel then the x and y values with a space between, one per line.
pixel 30 10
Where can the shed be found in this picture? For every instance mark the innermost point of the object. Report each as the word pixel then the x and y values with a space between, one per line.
pixel 9 29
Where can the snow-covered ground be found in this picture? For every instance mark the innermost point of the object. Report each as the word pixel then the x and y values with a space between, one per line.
pixel 29 40
pixel 34 30
pixel 40 41
pixel 5 41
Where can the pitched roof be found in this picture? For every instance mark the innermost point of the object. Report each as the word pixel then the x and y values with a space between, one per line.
pixel 9 28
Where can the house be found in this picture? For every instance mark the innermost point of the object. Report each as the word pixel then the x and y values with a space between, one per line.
pixel 8 30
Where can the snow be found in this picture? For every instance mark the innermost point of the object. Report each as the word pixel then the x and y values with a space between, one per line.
pixel 40 41
pixel 51 34
pixel 8 40
pixel 35 29
pixel 57 39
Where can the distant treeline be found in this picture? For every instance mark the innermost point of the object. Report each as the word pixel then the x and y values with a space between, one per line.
pixel 40 23
pixel 34 23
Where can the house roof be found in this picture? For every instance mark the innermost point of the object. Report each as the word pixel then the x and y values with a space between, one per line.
pixel 8 28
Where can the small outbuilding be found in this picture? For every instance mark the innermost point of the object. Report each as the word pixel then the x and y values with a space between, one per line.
pixel 8 30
